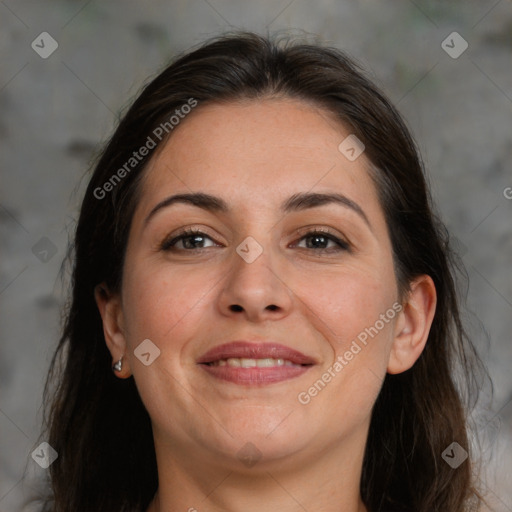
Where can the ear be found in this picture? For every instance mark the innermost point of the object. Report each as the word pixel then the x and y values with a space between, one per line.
pixel 111 313
pixel 413 325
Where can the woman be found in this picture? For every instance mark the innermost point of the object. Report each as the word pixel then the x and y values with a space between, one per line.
pixel 264 314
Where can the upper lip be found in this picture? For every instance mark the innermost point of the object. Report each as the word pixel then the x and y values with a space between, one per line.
pixel 247 350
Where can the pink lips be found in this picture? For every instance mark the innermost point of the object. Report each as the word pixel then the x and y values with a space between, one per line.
pixel 255 375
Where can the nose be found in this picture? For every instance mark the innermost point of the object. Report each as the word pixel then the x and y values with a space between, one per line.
pixel 256 291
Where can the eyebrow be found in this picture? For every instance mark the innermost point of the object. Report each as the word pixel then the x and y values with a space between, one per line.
pixel 297 202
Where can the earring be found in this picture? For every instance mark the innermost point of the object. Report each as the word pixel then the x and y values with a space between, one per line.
pixel 117 367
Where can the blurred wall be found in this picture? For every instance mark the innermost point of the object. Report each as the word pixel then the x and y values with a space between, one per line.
pixel 68 67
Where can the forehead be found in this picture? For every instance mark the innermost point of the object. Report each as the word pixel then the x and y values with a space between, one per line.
pixel 256 152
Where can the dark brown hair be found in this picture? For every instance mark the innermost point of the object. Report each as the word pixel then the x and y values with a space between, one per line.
pixel 97 422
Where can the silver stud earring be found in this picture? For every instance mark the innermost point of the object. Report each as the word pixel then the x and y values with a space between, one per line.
pixel 117 367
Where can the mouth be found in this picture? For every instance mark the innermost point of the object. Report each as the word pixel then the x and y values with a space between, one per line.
pixel 247 363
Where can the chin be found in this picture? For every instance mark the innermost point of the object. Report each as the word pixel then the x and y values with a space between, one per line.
pixel 271 438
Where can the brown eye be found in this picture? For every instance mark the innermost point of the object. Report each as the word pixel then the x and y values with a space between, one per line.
pixel 319 240
pixel 190 239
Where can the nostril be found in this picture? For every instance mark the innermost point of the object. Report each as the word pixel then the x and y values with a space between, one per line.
pixel 236 307
pixel 272 307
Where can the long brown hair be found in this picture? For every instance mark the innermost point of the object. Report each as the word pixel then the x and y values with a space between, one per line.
pixel 97 422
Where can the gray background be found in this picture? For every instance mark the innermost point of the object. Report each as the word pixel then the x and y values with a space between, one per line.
pixel 54 112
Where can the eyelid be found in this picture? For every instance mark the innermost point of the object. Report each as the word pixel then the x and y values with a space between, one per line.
pixel 315 228
pixel 340 240
pixel 188 231
pixel 331 234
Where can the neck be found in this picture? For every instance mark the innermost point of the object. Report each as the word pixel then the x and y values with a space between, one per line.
pixel 198 483
pixel 156 506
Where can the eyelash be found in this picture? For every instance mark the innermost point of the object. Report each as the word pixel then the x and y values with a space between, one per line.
pixel 167 244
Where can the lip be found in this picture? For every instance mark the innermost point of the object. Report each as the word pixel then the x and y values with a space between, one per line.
pixel 255 376
pixel 244 349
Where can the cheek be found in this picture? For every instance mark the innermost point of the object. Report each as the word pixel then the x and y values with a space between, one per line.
pixel 354 312
pixel 353 376
pixel 347 303
pixel 167 307
pixel 162 303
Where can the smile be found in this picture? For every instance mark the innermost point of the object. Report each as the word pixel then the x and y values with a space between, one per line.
pixel 236 362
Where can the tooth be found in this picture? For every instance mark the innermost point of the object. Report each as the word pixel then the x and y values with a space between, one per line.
pixel 265 363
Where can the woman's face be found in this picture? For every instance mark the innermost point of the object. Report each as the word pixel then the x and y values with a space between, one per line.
pixel 261 273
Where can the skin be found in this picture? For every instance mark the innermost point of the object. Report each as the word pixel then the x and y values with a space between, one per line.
pixel 255 155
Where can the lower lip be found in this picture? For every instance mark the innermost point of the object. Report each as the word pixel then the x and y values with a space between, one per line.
pixel 255 376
